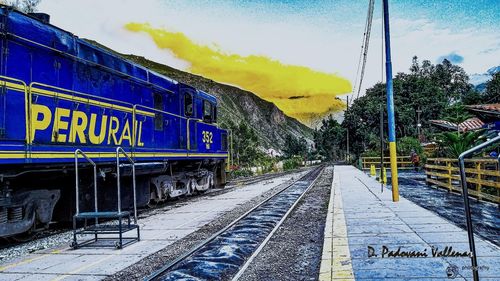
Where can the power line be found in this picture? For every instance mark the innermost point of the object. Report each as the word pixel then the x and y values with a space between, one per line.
pixel 365 46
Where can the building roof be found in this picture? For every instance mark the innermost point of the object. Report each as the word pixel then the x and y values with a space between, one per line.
pixel 493 108
pixel 470 124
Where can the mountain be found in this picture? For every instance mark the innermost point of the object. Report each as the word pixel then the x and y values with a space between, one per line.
pixel 479 80
pixel 235 104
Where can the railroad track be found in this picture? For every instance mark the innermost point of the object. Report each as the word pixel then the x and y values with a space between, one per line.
pixel 227 253
pixel 259 178
pixel 37 240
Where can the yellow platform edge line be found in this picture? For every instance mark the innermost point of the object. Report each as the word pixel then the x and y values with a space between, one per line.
pixel 336 263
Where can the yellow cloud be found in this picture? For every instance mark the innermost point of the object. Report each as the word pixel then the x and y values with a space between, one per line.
pixel 299 91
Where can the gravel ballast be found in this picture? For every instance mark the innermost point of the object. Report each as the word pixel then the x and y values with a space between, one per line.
pixel 155 261
pixel 294 252
pixel 61 235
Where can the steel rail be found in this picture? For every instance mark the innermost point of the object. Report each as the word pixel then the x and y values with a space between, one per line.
pixel 182 257
pixel 270 235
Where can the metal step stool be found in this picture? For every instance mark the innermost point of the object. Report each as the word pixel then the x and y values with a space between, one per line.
pixel 109 229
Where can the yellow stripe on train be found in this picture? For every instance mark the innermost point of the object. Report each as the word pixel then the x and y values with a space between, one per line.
pixel 61 155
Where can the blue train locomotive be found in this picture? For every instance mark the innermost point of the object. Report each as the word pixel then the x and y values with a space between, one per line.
pixel 59 93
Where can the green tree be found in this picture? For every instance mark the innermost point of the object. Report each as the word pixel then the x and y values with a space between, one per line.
pixel 429 88
pixel 294 146
pixel 246 150
pixel 330 139
pixel 492 93
pixel 454 143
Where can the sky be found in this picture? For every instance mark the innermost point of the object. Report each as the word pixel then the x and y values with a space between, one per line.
pixel 301 55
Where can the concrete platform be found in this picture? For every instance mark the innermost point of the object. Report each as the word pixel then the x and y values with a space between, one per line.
pixel 157 232
pixel 361 216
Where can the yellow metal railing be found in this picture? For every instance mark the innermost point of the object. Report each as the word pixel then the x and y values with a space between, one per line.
pixel 404 162
pixel 483 176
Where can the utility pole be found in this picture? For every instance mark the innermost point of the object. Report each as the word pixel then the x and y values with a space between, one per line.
pixel 390 105
pixel 347 156
pixel 381 148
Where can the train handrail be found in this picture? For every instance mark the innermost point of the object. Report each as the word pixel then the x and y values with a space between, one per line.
pixel 118 104
pixel 30 89
pixel 134 114
pixel 103 66
pixel 197 120
pixel 159 111
pixel 77 179
pixel 27 101
pixel 119 150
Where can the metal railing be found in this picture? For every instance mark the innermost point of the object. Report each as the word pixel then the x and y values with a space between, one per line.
pixel 77 181
pixel 6 81
pixel 404 162
pixel 37 89
pixel 119 150
pixel 463 179
pixel 483 174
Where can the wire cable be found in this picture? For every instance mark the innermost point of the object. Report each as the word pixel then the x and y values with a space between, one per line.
pixel 366 44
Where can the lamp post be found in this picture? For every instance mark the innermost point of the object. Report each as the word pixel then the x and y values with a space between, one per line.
pixel 419 125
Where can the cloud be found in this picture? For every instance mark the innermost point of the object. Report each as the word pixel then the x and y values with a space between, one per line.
pixel 299 91
pixel 452 57
pixel 330 44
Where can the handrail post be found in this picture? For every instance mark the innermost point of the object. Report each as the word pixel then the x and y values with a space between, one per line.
pixel 463 179
pixel 77 186
pixel 498 163
pixel 188 141
pixel 118 151
pixel 134 133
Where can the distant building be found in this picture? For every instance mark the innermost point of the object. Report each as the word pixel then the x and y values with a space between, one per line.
pixel 487 116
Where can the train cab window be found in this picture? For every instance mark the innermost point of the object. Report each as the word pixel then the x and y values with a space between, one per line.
pixel 188 105
pixel 158 104
pixel 207 111
pixel 215 114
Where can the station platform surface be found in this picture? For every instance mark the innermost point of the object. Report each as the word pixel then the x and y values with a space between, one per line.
pixel 362 218
pixel 157 232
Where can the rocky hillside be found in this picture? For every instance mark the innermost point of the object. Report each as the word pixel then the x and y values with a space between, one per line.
pixel 271 124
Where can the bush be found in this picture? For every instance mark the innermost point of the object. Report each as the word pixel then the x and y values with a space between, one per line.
pixel 266 162
pixel 292 163
pixel 371 153
pixel 241 173
pixel 406 144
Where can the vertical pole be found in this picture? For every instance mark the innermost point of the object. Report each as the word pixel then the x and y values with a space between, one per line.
pixel 479 178
pixel 382 170
pixel 465 193
pixel 76 184
pixel 470 231
pixel 347 132
pixel 390 105
pixel 118 189
pixel 419 125
pixel 95 195
pixel 450 178
pixel 135 193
